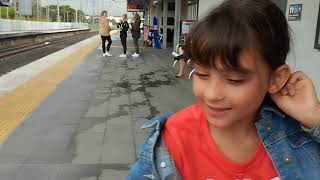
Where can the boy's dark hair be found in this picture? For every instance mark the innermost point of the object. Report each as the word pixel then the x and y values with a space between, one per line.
pixel 238 25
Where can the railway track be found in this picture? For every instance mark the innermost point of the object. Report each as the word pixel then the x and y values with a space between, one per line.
pixel 13 58
pixel 10 52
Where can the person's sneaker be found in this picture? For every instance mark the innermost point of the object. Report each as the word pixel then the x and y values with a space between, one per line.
pixel 135 55
pixel 108 54
pixel 178 57
pixel 174 54
pixel 104 54
pixel 123 56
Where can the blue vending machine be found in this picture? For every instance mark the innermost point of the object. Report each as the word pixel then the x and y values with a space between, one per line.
pixel 156 41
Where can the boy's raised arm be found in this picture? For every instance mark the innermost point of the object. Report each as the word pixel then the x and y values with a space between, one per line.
pixel 299 100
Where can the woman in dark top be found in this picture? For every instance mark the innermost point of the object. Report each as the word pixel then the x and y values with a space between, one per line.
pixel 124 26
pixel 136 34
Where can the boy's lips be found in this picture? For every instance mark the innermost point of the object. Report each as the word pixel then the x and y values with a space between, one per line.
pixel 217 111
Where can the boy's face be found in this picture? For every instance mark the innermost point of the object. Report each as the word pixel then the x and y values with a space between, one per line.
pixel 232 98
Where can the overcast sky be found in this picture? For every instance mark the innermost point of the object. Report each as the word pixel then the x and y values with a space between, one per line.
pixel 114 7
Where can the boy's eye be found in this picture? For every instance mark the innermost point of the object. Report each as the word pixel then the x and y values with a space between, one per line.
pixel 200 74
pixel 236 81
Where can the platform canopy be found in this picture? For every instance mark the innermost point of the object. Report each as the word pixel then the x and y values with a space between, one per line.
pixel 4 2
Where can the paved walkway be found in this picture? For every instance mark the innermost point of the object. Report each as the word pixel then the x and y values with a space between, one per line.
pixel 89 127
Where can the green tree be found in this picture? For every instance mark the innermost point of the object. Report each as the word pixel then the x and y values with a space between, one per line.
pixel 64 10
pixel 113 22
pixel 67 13
pixel 4 12
pixel 12 12
pixel 53 13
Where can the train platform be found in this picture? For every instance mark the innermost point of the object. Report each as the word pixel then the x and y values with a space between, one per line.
pixel 75 114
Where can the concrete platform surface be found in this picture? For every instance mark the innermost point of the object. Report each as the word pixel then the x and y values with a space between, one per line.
pixel 89 127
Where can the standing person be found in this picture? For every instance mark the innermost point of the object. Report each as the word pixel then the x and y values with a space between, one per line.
pixel 136 33
pixel 254 118
pixel 124 26
pixel 182 58
pixel 104 31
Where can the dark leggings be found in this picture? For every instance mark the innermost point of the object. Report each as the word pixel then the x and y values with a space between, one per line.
pixel 136 44
pixel 124 43
pixel 104 39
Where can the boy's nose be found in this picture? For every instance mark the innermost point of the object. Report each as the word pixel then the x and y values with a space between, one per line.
pixel 214 91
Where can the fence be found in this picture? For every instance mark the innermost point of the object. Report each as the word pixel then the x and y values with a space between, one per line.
pixel 23 25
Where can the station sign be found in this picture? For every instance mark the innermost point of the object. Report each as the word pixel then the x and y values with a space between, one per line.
pixel 25 7
pixel 295 11
pixel 135 7
pixel 186 27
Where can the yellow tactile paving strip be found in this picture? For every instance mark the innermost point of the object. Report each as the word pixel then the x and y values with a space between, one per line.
pixel 18 104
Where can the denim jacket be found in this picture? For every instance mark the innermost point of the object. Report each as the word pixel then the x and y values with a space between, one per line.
pixel 293 149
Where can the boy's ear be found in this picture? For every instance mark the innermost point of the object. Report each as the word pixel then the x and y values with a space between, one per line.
pixel 279 78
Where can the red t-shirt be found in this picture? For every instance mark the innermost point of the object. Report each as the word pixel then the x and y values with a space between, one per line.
pixel 186 134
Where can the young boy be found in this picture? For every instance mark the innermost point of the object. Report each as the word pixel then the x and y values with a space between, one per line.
pixel 254 119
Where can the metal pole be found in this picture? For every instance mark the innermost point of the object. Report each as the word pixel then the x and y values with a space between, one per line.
pixel 165 23
pixel 81 11
pixel 64 11
pixel 15 8
pixel 177 22
pixel 7 13
pixel 149 14
pixel 58 11
pixel 98 6
pixel 38 15
pixel 93 7
pixel 40 8
pixel 48 13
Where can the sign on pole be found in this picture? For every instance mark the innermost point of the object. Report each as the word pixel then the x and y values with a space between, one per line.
pixel 25 7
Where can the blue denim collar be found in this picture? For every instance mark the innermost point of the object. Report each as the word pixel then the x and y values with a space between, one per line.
pixel 275 124
pixel 157 122
pixel 268 107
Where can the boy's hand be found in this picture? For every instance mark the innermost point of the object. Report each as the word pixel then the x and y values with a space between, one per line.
pixel 298 99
